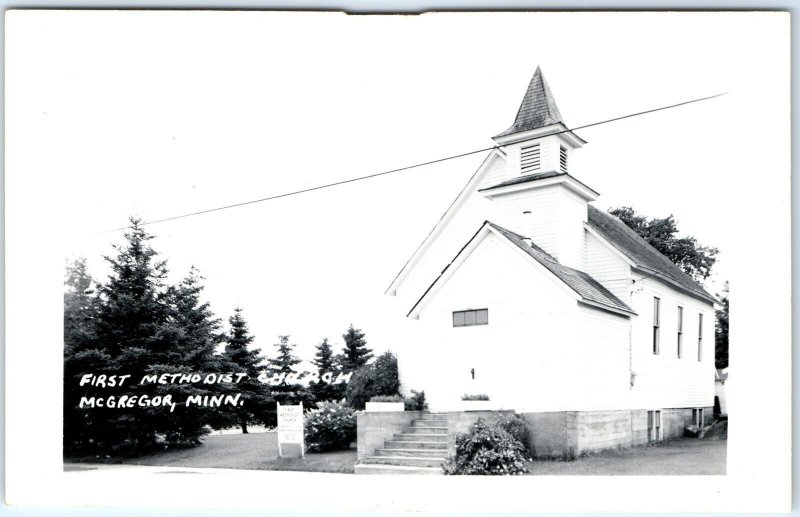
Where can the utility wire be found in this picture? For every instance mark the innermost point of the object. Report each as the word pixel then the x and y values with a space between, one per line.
pixel 422 164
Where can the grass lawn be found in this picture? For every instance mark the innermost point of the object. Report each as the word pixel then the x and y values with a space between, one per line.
pixel 676 457
pixel 259 451
pixel 254 451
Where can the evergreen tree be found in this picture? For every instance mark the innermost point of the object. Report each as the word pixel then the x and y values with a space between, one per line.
pixel 325 361
pixel 134 331
pixel 255 394
pixel 288 390
pixel 81 355
pixel 197 335
pixel 355 354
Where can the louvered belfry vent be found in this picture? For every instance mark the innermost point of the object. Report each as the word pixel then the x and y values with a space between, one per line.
pixel 530 158
pixel 563 159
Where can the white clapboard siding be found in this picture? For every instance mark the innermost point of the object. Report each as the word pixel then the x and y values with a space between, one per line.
pixel 602 356
pixel 607 267
pixel 664 380
pixel 520 357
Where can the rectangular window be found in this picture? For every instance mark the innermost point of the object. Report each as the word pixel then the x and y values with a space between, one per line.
pixel 698 417
pixel 470 318
pixel 530 158
pixel 563 159
pixel 656 323
pixel 699 337
pixel 654 432
pixel 680 332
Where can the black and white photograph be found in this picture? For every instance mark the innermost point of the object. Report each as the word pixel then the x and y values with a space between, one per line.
pixel 257 255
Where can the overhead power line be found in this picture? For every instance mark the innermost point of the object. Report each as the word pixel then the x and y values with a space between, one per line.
pixel 408 167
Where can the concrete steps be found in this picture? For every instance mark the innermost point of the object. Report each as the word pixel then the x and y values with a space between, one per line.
pixel 417 453
pixel 367 468
pixel 420 448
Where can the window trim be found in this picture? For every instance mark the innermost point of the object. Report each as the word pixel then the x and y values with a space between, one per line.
pixel 700 337
pixel 465 312
pixel 655 428
pixel 680 331
pixel 656 325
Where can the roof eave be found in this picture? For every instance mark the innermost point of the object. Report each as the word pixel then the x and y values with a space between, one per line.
pixel 608 308
pixel 661 276
pixel 558 128
pixel 568 180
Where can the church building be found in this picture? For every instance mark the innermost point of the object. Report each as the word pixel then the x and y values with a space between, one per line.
pixel 526 293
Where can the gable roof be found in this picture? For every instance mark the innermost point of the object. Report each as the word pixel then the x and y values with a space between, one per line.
pixel 474 180
pixel 642 254
pixel 538 108
pixel 587 288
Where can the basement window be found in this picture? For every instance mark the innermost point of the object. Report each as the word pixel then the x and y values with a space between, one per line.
pixel 530 158
pixel 698 417
pixel 654 431
pixel 470 318
pixel 563 159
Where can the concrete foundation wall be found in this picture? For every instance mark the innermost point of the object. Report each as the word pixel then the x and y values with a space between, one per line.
pixel 552 434
pixel 460 422
pixel 375 428
pixel 563 434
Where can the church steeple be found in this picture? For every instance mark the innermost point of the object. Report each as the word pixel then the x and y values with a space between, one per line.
pixel 538 108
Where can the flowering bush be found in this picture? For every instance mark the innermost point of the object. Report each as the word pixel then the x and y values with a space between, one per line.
pixel 515 426
pixel 487 450
pixel 330 427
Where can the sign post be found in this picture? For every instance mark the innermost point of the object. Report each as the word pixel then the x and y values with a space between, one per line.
pixel 290 427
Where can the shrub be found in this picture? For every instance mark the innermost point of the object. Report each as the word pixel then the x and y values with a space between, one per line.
pixel 476 396
pixel 377 378
pixel 487 450
pixel 416 402
pixel 386 398
pixel 515 426
pixel 331 427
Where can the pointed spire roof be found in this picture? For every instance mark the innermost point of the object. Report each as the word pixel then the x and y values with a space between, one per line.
pixel 538 108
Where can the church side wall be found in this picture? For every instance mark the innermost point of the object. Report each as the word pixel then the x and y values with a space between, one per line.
pixel 665 380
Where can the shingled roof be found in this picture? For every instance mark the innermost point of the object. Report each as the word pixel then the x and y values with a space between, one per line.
pixel 589 289
pixel 533 177
pixel 538 108
pixel 641 253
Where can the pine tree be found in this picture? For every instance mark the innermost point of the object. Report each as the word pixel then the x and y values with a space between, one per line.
pixel 197 335
pixel 288 390
pixel 325 362
pixel 255 394
pixel 355 354
pixel 134 331
pixel 81 355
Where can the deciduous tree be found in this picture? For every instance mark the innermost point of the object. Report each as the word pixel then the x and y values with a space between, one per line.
pixel 695 260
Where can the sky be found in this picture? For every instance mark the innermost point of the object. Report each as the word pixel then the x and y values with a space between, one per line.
pixel 157 114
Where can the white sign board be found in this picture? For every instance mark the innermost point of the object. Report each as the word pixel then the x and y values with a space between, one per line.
pixel 290 426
